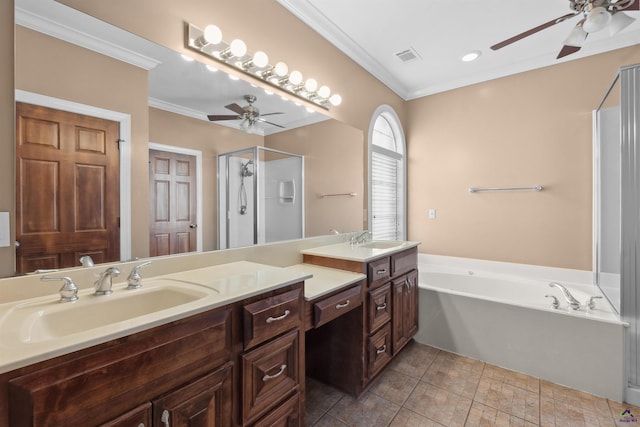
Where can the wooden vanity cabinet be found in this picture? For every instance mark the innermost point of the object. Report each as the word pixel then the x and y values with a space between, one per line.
pixel 389 315
pixel 191 372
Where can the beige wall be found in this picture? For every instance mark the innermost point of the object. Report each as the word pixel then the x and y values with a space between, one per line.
pixel 7 129
pixel 333 154
pixel 528 129
pixel 211 139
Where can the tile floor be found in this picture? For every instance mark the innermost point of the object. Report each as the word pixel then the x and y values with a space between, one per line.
pixel 424 386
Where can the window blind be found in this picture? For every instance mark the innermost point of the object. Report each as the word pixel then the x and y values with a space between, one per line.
pixel 385 171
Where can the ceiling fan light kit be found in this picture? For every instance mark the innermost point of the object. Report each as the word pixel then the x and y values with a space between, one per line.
pixel 209 42
pixel 597 15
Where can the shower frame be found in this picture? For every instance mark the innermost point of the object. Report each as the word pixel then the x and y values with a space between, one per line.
pixel 255 151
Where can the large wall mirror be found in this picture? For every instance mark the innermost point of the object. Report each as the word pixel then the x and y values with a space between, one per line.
pixel 66 58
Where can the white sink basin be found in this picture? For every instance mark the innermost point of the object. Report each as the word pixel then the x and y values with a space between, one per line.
pixel 46 320
pixel 382 244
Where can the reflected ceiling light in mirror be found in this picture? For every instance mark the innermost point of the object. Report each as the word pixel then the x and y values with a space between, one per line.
pixel 187 58
pixel 209 42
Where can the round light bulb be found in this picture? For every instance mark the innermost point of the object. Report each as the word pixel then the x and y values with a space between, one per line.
pixel 212 34
pixel 295 77
pixel 335 100
pixel 311 85
pixel 260 59
pixel 281 69
pixel 238 48
pixel 324 92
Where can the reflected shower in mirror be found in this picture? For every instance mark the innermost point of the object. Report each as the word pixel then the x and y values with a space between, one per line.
pixel 167 100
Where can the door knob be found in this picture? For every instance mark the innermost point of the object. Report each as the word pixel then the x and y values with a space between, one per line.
pixel 193 225
pixel 17 244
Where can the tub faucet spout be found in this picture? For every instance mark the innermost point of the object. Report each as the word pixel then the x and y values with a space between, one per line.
pixel 573 303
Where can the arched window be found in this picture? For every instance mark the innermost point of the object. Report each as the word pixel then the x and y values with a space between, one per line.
pixel 387 176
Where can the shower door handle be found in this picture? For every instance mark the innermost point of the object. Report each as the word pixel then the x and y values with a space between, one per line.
pixel 193 225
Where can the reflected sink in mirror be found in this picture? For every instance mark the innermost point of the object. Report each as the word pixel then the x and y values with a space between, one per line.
pixel 382 244
pixel 40 321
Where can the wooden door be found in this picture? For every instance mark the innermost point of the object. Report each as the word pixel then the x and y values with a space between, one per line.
pixel 172 211
pixel 67 188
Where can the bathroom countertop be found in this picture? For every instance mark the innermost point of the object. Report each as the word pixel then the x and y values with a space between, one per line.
pixel 361 252
pixel 325 280
pixel 26 338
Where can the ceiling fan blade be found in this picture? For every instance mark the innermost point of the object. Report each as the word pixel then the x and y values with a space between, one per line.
pixel 235 108
pixel 269 114
pixel 269 123
pixel 567 50
pixel 533 31
pixel 216 117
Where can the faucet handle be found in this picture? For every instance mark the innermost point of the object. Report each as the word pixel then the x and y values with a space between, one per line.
pixel 68 291
pixel 591 304
pixel 555 303
pixel 135 280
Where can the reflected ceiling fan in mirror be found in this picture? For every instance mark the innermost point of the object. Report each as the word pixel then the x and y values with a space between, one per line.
pixel 249 114
pixel 596 15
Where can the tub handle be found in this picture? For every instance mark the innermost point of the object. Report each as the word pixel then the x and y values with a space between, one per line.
pixel 555 303
pixel 381 307
pixel 591 304
pixel 381 349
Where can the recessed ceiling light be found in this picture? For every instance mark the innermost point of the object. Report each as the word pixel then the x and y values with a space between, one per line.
pixel 471 56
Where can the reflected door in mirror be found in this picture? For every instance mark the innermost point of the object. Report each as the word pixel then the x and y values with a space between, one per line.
pixel 172 213
pixel 67 188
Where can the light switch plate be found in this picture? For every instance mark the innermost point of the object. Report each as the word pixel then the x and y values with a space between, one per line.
pixel 5 230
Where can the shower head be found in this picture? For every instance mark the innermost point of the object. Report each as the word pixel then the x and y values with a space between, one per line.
pixel 244 169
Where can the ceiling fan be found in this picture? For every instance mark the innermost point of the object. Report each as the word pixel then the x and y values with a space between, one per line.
pixel 596 15
pixel 249 114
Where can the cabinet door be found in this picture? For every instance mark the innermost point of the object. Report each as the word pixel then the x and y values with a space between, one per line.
pixel 379 307
pixel 204 402
pixel 405 309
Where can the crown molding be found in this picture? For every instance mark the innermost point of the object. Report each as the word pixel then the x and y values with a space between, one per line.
pixel 63 32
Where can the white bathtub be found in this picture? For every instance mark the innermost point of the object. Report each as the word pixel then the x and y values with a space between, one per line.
pixel 483 310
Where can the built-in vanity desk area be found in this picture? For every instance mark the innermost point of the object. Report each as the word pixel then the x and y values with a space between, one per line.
pixel 230 346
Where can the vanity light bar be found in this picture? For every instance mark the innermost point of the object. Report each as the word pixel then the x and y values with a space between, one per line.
pixel 209 42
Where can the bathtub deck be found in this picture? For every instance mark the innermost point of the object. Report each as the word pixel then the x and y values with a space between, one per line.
pixel 429 387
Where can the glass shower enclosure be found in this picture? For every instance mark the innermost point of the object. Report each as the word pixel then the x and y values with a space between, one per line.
pixel 260 197
pixel 616 132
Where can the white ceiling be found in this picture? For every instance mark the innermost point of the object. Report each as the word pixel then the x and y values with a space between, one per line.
pixel 371 32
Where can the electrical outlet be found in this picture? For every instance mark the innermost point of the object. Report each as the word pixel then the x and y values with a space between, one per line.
pixel 432 213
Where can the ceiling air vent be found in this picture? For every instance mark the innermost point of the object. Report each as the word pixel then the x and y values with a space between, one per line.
pixel 408 55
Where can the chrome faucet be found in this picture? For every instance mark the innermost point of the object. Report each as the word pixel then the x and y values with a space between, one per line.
pixel 360 238
pixel 86 261
pixel 104 282
pixel 68 291
pixel 134 281
pixel 573 303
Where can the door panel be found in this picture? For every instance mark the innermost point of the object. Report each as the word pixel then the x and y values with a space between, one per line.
pixel 67 188
pixel 172 211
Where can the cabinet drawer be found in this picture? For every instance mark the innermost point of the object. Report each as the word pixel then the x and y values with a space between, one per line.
pixel 271 316
pixel 285 415
pixel 335 306
pixel 379 349
pixel 269 372
pixel 379 307
pixel 140 416
pixel 404 261
pixel 378 271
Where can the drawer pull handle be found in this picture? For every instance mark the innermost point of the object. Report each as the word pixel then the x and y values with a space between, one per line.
pixel 164 419
pixel 343 305
pixel 381 307
pixel 268 377
pixel 273 319
pixel 381 349
pixel 382 271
